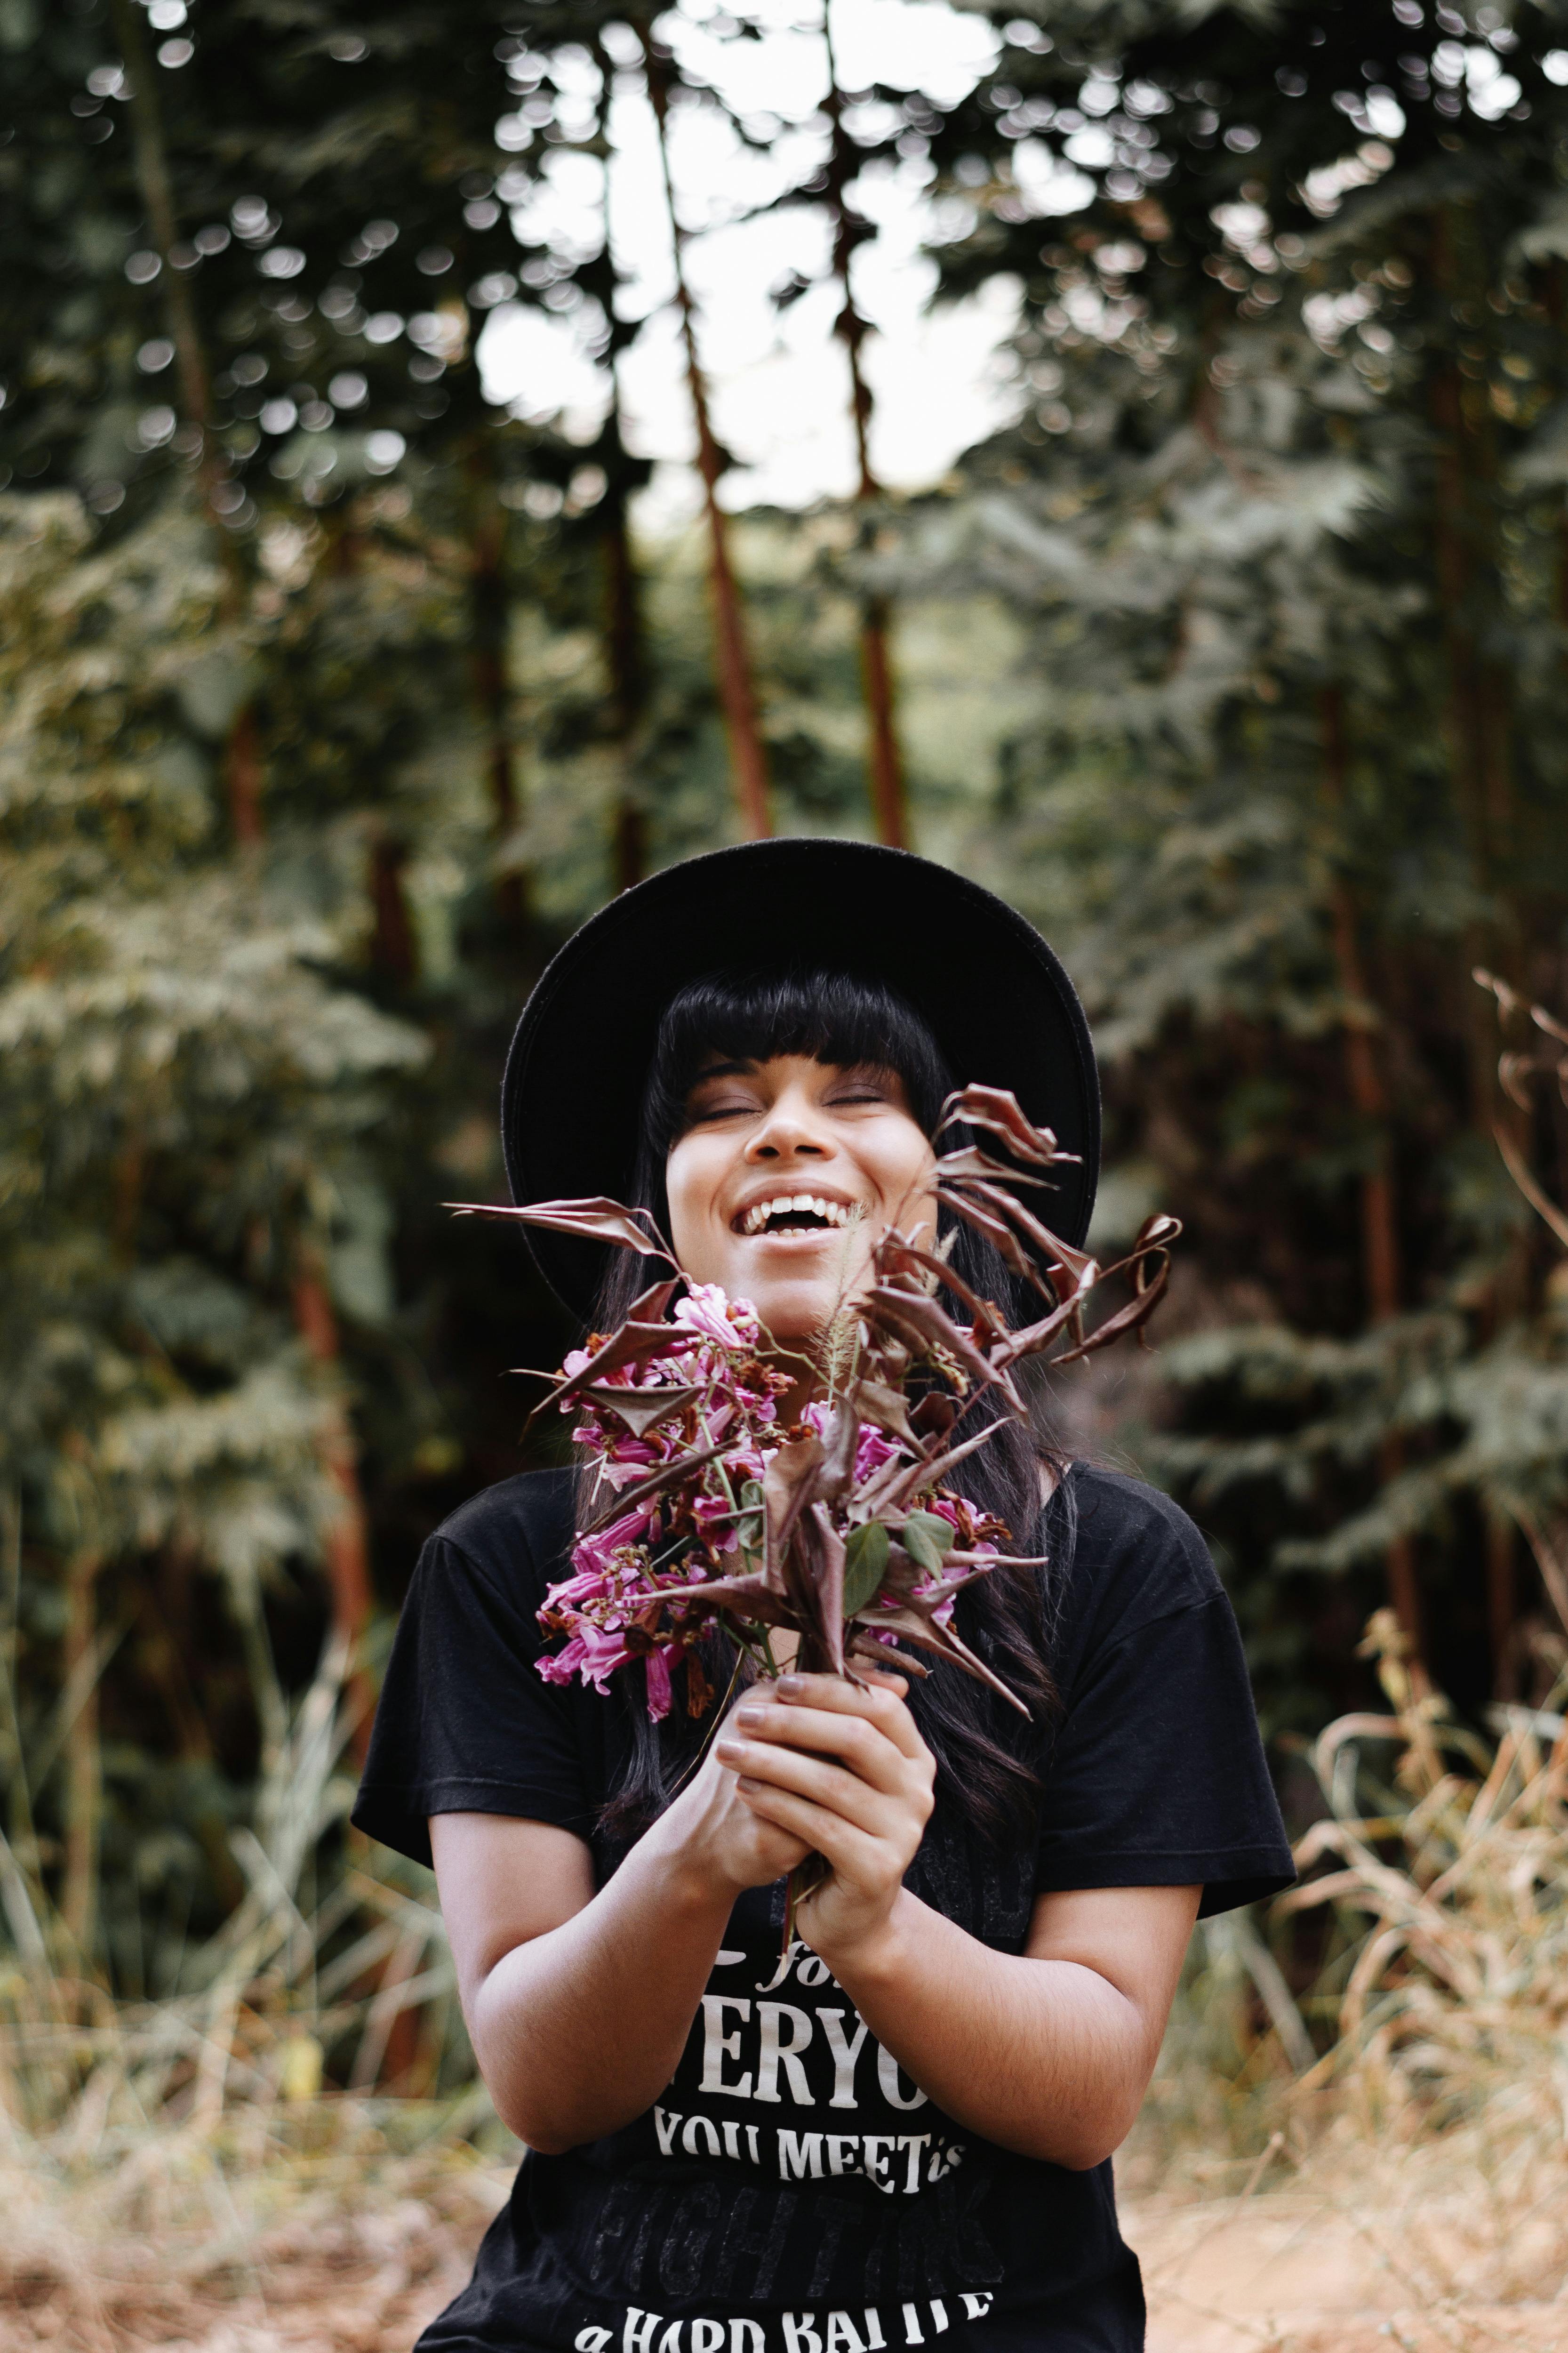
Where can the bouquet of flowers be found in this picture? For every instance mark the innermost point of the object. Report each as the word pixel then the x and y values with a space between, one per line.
pixel 846 1526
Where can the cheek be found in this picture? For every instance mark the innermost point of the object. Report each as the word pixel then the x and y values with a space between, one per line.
pixel 692 1178
pixel 905 1163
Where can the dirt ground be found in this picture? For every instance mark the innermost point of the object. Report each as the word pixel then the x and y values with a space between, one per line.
pixel 1305 2276
pixel 1316 2272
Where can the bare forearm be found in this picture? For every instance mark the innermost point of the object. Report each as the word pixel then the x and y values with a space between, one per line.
pixel 578 2031
pixel 1041 2056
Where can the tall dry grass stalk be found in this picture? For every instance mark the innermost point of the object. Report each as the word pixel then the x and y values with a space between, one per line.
pixel 1422 2153
pixel 1453 1866
pixel 158 2160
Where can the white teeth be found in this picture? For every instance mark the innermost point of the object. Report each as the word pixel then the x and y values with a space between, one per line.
pixel 784 1205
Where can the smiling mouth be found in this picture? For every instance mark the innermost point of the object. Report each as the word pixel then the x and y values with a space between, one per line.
pixel 793 1213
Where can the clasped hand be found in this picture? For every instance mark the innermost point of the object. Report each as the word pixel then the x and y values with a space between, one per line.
pixel 840 1768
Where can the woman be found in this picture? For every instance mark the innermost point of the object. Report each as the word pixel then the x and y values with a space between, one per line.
pixel 900 2127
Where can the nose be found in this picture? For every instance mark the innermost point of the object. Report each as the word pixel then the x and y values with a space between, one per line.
pixel 791 1131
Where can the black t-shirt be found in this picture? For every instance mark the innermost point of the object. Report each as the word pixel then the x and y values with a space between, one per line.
pixel 792 2191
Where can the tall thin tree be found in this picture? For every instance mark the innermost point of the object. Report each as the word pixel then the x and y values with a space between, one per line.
pixel 624 635
pixel 884 756
pixel 737 691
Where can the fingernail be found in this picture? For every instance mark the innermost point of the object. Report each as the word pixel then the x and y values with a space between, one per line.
pixel 791 1686
pixel 727 1747
pixel 750 1715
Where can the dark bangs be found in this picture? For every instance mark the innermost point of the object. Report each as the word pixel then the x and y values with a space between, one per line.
pixel 834 1016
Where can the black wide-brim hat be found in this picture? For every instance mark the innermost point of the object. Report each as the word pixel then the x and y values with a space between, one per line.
pixel 997 1000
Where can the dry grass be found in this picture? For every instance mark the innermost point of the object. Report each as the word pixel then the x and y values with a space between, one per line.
pixel 172 2173
pixel 1412 2185
pixel 323 2230
pixel 172 2176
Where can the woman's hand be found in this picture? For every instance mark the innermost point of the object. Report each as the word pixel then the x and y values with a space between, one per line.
pixel 843 1769
pixel 710 1831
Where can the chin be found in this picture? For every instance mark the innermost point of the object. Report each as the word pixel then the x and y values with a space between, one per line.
pixel 791 1311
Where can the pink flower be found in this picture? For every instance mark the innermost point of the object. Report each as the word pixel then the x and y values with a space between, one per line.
pixel 728 1324
pixel 595 1554
pixel 658 1693
pixel 872 1449
pixel 716 1529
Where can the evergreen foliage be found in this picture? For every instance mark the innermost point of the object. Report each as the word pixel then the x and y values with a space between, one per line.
pixel 1285 507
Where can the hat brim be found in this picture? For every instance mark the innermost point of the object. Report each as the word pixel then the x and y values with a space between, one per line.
pixel 997 1000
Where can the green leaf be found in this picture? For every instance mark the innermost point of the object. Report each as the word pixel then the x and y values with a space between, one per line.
pixel 865 1566
pixel 927 1539
pixel 751 1528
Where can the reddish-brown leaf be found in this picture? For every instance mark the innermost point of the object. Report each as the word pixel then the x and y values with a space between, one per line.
pixel 788 1485
pixel 898 1256
pixel 1051 1247
pixel 634 1344
pixel 826 1549
pixel 914 1626
pixel 998 1109
pixel 640 1410
pixel 915 1314
pixel 895 1482
pixel 754 1595
pixel 839 1443
pixel 669 1474
pixel 973 1161
pixel 884 1408
pixel 593 1220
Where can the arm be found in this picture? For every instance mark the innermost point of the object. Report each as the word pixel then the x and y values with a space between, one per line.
pixel 1048 2052
pixel 578 2004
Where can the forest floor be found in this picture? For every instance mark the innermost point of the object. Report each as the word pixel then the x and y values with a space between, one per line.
pixel 1309 2274
pixel 1355 2255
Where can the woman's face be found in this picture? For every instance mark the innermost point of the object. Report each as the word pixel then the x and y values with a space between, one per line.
pixel 775 1159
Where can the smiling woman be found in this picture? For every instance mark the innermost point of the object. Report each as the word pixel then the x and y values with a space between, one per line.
pixel 899 2126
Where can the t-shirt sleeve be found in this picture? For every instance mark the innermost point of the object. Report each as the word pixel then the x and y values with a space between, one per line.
pixel 1157 1776
pixel 465 1724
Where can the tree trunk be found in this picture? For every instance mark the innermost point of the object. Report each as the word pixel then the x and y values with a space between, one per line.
pixel 885 766
pixel 393 950
pixel 624 661
pixel 625 647
pixel 242 778
pixel 890 810
pixel 242 764
pixel 492 685
pixel 736 693
pixel 347 1547
pixel 1479 734
pixel 1368 1091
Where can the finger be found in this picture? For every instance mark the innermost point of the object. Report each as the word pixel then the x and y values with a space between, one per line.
pixel 896 1819
pixel 863 1747
pixel 882 1704
pixel 860 1859
pixel 827 1785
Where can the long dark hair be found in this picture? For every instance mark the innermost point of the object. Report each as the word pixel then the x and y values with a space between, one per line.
pixel 840 1017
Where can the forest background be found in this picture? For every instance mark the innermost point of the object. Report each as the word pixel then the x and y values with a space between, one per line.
pixel 334 692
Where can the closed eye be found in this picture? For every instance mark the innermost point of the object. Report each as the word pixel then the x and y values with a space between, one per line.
pixel 701 1112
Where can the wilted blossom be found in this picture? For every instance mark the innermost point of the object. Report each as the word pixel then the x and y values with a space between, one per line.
pixel 842 1529
pixel 609 1608
pixel 614 1608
